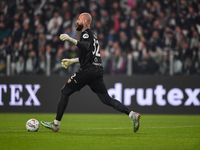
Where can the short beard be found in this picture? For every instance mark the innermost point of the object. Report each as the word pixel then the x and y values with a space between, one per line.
pixel 79 27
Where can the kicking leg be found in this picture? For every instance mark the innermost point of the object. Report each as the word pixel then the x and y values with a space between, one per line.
pixel 64 98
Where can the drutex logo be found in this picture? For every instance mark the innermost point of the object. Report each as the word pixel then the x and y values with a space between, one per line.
pixel 159 95
pixel 16 89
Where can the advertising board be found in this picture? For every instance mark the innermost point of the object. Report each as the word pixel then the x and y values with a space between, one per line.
pixel 145 94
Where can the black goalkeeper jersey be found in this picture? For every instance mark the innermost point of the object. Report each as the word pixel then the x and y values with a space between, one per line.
pixel 89 52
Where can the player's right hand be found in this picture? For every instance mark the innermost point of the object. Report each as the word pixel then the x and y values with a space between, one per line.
pixel 67 62
pixel 64 37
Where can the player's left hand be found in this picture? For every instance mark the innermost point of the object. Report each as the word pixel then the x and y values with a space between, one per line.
pixel 67 62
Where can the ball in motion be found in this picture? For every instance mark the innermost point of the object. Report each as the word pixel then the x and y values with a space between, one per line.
pixel 32 125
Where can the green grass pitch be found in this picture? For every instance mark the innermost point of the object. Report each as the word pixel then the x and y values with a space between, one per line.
pixel 101 132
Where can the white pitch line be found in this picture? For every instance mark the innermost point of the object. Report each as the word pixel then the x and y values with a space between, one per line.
pixel 177 127
pixel 1 131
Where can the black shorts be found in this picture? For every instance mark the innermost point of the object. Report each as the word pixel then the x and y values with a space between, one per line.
pixel 78 80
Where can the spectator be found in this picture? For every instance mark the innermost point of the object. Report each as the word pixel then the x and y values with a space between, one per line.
pixel 182 39
pixel 3 8
pixel 177 66
pixel 189 67
pixel 148 25
pixel 20 8
pixel 148 65
pixel 105 19
pixel 183 7
pixel 169 42
pixel 172 21
pixel 32 64
pixel 191 16
pixel 157 27
pixel 42 65
pixel 103 5
pixel 49 10
pixel 16 18
pixel 135 58
pixel 29 39
pixel 52 52
pixel 109 47
pixel 66 9
pixel 3 52
pixel 56 18
pixel 133 21
pixel 155 7
pixel 135 44
pixel 16 32
pixel 185 52
pixel 190 31
pixel 76 8
pixel 102 40
pixel 93 6
pixel 39 29
pixel 4 32
pixel 117 63
pixel 124 28
pixel 115 9
pixel 25 17
pixel 142 51
pixel 41 43
pixel 124 43
pixel 25 30
pixel 9 45
pixel 2 67
pixel 115 47
pixel 100 28
pixel 164 65
pixel 67 22
pixel 112 35
pixel 37 20
pixel 162 19
pixel 15 54
pixel 19 68
pixel 139 32
pixel 177 32
pixel 155 39
pixel 54 26
pixel 174 7
pixel 194 40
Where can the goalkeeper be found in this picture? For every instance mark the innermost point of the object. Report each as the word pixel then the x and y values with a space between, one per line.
pixel 90 73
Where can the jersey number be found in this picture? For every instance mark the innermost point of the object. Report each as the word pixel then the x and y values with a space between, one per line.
pixel 96 51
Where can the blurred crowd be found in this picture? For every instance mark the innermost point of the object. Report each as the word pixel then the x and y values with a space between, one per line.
pixel 158 35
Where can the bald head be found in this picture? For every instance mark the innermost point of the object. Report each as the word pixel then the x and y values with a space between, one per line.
pixel 83 22
pixel 87 17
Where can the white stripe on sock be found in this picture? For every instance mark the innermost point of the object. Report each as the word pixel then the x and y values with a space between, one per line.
pixel 56 122
pixel 130 114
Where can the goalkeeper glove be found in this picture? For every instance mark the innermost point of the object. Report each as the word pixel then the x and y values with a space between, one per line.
pixel 67 62
pixel 66 37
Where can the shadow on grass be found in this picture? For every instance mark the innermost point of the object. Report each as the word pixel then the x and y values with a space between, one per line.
pixel 101 133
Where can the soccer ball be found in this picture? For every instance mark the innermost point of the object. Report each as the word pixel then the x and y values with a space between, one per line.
pixel 32 125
